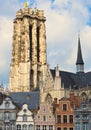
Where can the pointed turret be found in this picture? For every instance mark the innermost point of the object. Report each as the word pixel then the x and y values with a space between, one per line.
pixel 79 62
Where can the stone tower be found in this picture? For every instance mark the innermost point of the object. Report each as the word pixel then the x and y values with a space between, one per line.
pixel 28 64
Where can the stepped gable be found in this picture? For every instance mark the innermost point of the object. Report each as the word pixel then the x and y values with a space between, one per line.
pixel 30 98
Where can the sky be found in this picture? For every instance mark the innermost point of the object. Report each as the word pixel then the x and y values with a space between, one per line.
pixel 65 20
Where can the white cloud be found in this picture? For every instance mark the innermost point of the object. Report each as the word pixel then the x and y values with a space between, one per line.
pixel 5 40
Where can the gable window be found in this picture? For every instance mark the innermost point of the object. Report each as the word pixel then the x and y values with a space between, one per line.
pixel 64 107
pixel 24 117
pixel 58 119
pixel 71 119
pixel 64 119
pixel 44 118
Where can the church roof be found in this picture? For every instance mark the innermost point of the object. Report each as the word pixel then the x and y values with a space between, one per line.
pixel 30 98
pixel 79 54
pixel 74 80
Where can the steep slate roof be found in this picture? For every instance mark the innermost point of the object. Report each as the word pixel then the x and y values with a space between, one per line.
pixel 75 80
pixel 79 54
pixel 30 98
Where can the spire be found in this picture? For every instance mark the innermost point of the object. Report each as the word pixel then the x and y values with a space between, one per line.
pixel 79 62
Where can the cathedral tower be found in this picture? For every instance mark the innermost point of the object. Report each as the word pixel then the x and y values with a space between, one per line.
pixel 28 50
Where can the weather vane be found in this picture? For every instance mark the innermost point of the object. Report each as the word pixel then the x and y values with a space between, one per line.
pixel 26 4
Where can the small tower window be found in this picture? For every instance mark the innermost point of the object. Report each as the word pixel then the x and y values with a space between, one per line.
pixel 30 38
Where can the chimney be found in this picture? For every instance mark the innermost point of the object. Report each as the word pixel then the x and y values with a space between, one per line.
pixel 55 101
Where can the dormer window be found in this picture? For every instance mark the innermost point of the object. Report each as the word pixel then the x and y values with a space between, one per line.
pixel 7 104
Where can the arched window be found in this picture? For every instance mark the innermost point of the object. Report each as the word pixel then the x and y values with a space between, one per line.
pixel 18 127
pixel 30 127
pixel 77 117
pixel 85 117
pixel 24 127
pixel 65 128
pixel 58 128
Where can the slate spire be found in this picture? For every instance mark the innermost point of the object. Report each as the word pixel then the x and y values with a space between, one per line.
pixel 79 61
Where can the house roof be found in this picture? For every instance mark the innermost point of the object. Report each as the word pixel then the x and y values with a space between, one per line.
pixel 30 98
pixel 74 80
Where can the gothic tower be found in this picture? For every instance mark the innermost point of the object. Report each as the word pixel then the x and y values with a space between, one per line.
pixel 28 64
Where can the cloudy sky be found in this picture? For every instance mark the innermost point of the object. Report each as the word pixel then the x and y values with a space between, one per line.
pixel 64 20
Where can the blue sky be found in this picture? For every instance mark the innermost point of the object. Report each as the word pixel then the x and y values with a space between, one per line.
pixel 64 19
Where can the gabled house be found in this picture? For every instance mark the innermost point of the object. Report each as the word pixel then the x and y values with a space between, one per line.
pixel 24 119
pixel 8 112
pixel 44 119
